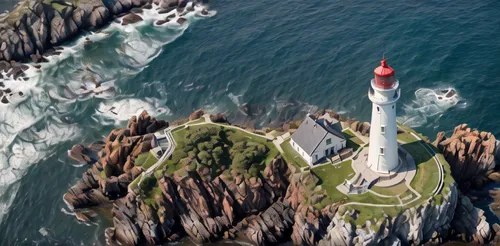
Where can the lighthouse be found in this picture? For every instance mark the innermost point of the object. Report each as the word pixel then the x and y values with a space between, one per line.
pixel 384 93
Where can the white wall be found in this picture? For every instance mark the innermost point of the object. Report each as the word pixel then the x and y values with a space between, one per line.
pixel 383 114
pixel 338 143
pixel 320 150
pixel 301 152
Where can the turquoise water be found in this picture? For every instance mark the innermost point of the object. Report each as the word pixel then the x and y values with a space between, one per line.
pixel 281 59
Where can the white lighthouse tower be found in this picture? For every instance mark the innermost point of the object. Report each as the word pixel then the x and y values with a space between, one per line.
pixel 384 93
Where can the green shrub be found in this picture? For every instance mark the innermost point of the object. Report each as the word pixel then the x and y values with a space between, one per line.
pixel 178 155
pixel 254 171
pixel 204 157
pixel 147 184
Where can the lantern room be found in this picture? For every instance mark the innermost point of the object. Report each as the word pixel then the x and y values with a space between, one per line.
pixel 384 76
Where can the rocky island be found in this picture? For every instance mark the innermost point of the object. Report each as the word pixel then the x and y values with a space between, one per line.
pixel 208 180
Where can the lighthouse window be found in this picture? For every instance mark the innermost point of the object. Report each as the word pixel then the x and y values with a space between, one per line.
pixel 392 106
pixel 381 151
pixel 378 109
pixel 382 129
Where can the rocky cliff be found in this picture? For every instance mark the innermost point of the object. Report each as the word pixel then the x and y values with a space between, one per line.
pixel 454 218
pixel 110 175
pixel 34 27
pixel 471 155
pixel 277 204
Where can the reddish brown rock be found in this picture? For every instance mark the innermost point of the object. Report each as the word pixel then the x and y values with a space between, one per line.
pixel 470 155
pixel 196 114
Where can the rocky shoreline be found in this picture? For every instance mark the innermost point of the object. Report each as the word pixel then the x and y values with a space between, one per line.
pixel 34 28
pixel 280 205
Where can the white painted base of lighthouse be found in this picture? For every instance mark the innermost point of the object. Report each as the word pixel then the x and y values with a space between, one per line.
pixel 383 151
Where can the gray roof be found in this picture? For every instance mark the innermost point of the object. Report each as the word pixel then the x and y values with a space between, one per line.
pixel 312 132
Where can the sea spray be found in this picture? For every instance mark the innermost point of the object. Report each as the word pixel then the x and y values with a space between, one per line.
pixel 88 75
pixel 429 104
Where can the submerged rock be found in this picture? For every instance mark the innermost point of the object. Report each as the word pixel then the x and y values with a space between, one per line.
pixel 131 19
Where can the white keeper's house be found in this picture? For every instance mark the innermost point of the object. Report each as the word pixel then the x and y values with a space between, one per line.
pixel 316 139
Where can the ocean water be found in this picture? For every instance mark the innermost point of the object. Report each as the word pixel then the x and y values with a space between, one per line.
pixel 278 59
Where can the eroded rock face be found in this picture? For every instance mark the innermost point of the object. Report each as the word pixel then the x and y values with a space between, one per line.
pixel 110 175
pixel 206 210
pixel 471 155
pixel 455 219
pixel 34 27
pixel 196 114
pixel 278 205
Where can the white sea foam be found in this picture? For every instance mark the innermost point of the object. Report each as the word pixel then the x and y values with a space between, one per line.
pixel 429 104
pixel 35 121
pixel 122 110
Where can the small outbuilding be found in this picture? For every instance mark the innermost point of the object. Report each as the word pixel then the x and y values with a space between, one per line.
pixel 316 139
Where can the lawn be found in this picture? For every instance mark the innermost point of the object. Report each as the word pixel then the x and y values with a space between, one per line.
pixel 371 213
pixel 145 160
pixel 200 120
pixel 407 137
pixel 331 176
pixel 427 176
pixel 352 141
pixel 391 191
pixel 291 156
pixel 275 133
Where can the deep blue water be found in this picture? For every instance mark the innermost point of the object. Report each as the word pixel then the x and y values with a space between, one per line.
pixel 284 59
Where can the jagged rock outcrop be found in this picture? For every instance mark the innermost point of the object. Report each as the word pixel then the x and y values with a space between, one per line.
pixel 277 204
pixel 471 155
pixel 453 219
pixel 206 210
pixel 110 175
pixel 34 27
pixel 196 114
pixel 271 226
pixel 218 118
pixel 87 154
pixel 469 223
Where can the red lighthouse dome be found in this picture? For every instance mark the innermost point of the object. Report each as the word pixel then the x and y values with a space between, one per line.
pixel 384 75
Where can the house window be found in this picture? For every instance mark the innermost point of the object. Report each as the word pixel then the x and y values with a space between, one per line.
pixel 382 129
pixel 326 152
pixel 381 151
pixel 293 144
pixel 329 141
pixel 316 157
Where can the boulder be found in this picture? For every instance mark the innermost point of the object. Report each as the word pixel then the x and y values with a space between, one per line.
pixel 196 114
pixel 131 19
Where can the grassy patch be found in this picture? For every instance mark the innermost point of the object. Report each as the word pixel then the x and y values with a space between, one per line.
pixel 145 160
pixel 427 176
pixel 331 176
pixel 406 137
pixel 291 156
pixel 213 149
pixel 352 141
pixel 198 121
pixel 372 213
pixel 391 191
pixel 275 133
pixel 448 179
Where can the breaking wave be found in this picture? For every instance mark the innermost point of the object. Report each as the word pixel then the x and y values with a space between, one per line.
pixel 429 105
pixel 48 104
